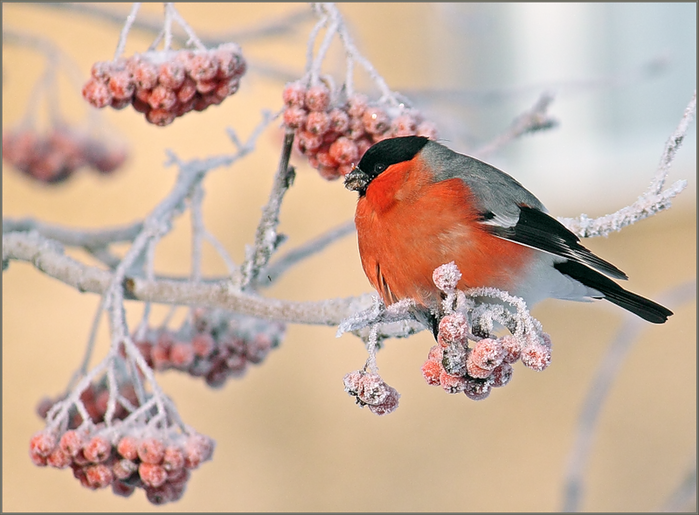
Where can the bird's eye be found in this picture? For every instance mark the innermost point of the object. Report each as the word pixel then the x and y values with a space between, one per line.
pixel 379 167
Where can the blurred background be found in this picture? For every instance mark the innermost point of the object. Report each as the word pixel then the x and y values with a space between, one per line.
pixel 288 437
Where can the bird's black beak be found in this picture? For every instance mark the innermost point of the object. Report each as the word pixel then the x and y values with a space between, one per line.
pixel 357 180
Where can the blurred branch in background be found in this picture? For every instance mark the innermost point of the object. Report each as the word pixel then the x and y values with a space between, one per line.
pixel 608 371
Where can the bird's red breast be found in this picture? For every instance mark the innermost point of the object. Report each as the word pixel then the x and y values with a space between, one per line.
pixel 408 225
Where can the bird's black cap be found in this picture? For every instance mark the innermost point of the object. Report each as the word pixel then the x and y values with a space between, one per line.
pixel 380 156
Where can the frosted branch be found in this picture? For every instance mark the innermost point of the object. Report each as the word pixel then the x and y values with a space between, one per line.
pixel 651 202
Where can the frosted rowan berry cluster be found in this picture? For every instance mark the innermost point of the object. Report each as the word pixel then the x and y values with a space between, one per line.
pixel 370 390
pixel 216 345
pixel 55 156
pixel 165 85
pixel 125 459
pixel 475 369
pixel 334 134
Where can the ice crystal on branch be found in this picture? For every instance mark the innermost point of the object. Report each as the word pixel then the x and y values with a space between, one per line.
pixel 164 85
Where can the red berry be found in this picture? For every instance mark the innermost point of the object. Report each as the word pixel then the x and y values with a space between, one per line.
pixel 197 449
pixel 375 120
pixel 171 74
pixel 295 117
pixel 71 442
pixel 536 356
pixel 98 476
pixel 356 104
pixel 329 173
pixel 181 354
pixel 344 151
pixel 309 141
pixel 317 122
pixel 207 86
pixel 477 389
pixel 152 475
pixel 151 450
pixel 122 469
pixel 294 94
pixel 201 66
pixel 121 85
pixel 97 93
pixel 476 371
pixel 42 443
pixel 97 449
pixel 403 125
pixel 317 98
pixel 122 489
pixel 229 60
pixel 160 117
pixel 203 344
pixel 339 120
pixel 128 447
pixel 502 374
pixel 162 98
pixel 145 75
pixel 187 90
pixel 173 459
pixel 431 371
pixel 512 347
pixel 101 70
pixel 58 458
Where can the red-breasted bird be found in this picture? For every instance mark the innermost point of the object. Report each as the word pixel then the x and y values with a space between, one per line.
pixel 422 205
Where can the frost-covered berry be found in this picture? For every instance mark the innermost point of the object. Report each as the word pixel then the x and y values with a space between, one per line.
pixel 317 98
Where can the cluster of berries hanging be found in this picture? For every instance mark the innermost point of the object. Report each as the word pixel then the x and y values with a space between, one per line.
pixel 126 454
pixel 165 85
pixel 53 157
pixel 217 345
pixel 333 135
pixel 475 370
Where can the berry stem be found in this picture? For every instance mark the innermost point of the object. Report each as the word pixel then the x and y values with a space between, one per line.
pixel 125 30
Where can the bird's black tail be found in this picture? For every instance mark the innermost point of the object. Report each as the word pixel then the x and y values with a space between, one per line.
pixel 645 308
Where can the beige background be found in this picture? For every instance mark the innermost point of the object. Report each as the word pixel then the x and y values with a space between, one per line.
pixel 289 438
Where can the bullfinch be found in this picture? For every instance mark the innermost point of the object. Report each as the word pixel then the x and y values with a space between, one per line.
pixel 422 205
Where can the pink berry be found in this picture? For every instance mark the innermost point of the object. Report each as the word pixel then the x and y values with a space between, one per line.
pixel 122 469
pixel 97 449
pixel 171 74
pixel 317 122
pixel 403 125
pixel 145 75
pixel 71 442
pixel 339 120
pixel 121 85
pixel 203 344
pixel 388 405
pixel 295 117
pixel 502 375
pixel 453 330
pixel 512 347
pixel 451 383
pixel 152 475
pixel 59 458
pixel 151 450
pixel 536 356
pixel 329 173
pixel 201 66
pixel 317 98
pixel 181 354
pixel 122 489
pixel 375 120
pixel 207 86
pixel 344 151
pixel 173 459
pixel 42 443
pixel 101 70
pixel 162 98
pixel 487 354
pixel 128 447
pixel 198 449
pixel 309 141
pixel 431 371
pixel 160 117
pixel 98 476
pixel 294 94
pixel 477 389
pixel 356 105
pixel 229 60
pixel 187 90
pixel 476 371
pixel 97 93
